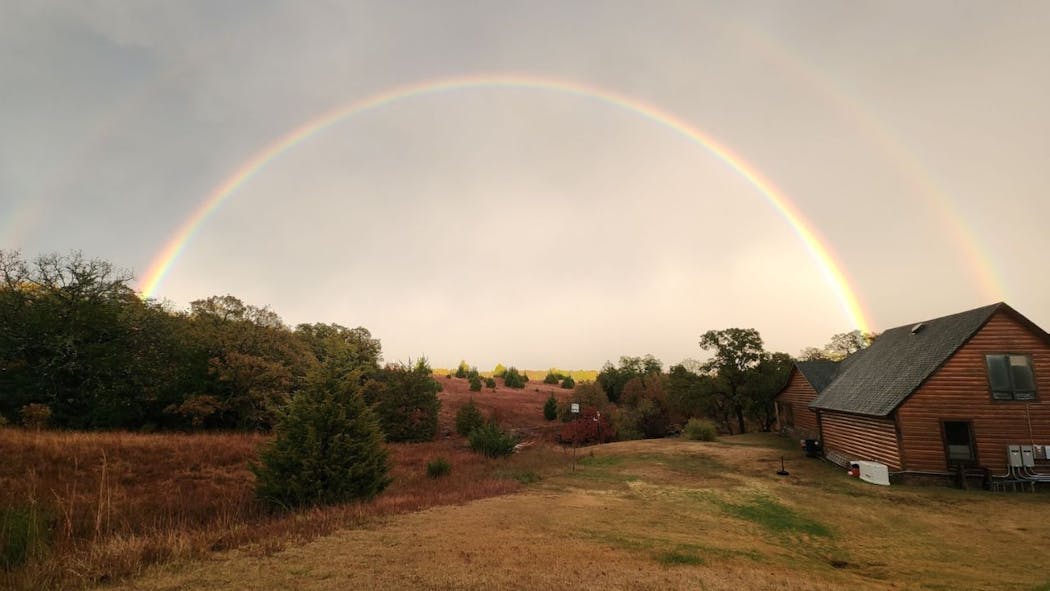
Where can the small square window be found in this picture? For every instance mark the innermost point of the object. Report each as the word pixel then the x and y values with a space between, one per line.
pixel 1010 377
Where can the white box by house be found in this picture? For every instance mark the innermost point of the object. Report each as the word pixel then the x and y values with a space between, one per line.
pixel 873 472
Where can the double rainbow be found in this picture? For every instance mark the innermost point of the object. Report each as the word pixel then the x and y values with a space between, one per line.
pixel 836 279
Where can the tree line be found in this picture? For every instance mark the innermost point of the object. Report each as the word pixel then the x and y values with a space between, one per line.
pixel 81 349
pixel 735 388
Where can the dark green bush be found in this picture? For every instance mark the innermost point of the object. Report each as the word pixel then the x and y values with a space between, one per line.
pixel 327 449
pixel 438 467
pixel 551 378
pixel 405 401
pixel 491 383
pixel 468 418
pixel 550 409
pixel 700 430
pixel 475 384
pixel 514 379
pixel 462 370
pixel 568 383
pixel 491 440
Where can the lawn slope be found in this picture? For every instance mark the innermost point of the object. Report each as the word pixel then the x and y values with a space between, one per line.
pixel 666 514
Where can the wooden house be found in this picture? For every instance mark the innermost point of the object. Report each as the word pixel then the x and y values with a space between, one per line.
pixel 930 396
pixel 807 379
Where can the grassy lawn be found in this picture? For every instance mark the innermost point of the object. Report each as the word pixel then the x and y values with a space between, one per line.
pixel 666 514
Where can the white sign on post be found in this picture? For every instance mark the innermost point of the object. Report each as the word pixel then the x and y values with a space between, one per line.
pixel 575 408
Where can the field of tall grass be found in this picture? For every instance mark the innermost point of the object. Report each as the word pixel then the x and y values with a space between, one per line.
pixel 78 509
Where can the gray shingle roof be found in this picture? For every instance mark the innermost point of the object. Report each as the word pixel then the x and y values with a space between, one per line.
pixel 876 380
pixel 818 373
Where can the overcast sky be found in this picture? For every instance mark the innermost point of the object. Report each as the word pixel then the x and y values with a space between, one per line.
pixel 533 227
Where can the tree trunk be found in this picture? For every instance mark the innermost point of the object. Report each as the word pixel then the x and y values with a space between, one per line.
pixel 739 409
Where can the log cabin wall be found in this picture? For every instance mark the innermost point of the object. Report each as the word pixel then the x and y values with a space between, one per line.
pixel 799 393
pixel 856 437
pixel 959 391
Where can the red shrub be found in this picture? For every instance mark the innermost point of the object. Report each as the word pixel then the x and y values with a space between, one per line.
pixel 591 426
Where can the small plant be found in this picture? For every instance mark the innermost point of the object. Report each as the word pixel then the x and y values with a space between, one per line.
pixel 551 378
pixel 438 467
pixel 475 383
pixel 24 533
pixel 568 383
pixel 550 408
pixel 499 371
pixel 700 430
pixel 514 379
pixel 677 557
pixel 462 370
pixel 468 418
pixel 491 440
pixel 490 382
pixel 3 421
pixel 35 416
pixel 526 477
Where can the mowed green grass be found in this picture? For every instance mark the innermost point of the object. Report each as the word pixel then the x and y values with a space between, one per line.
pixel 666 514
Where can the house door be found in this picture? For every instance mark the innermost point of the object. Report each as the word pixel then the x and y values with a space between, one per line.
pixel 958 442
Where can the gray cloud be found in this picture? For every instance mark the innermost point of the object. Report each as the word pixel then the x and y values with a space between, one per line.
pixel 521 225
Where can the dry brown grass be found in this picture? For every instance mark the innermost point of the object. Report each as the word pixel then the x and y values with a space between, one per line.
pixel 519 409
pixel 118 502
pixel 668 514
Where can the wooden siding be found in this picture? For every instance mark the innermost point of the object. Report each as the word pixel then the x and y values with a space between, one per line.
pixel 959 391
pixel 799 393
pixel 855 437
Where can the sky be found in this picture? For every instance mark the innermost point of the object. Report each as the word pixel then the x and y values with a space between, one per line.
pixel 862 164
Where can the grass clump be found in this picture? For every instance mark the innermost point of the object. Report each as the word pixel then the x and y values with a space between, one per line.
pixel 492 441
pixel 772 515
pixel 677 557
pixel 438 467
pixel 25 533
pixel 700 430
pixel 526 477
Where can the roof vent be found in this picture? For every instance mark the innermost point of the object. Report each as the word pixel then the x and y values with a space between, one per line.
pixel 918 328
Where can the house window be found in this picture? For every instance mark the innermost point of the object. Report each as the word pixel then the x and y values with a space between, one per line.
pixel 1010 377
pixel 958 442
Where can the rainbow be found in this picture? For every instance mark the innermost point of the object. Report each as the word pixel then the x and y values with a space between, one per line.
pixel 947 214
pixel 833 274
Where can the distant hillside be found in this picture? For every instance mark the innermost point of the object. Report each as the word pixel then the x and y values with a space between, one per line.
pixel 578 375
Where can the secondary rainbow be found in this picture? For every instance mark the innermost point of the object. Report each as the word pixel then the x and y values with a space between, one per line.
pixel 833 274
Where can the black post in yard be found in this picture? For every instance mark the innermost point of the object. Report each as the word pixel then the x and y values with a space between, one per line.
pixel 782 471
pixel 575 426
